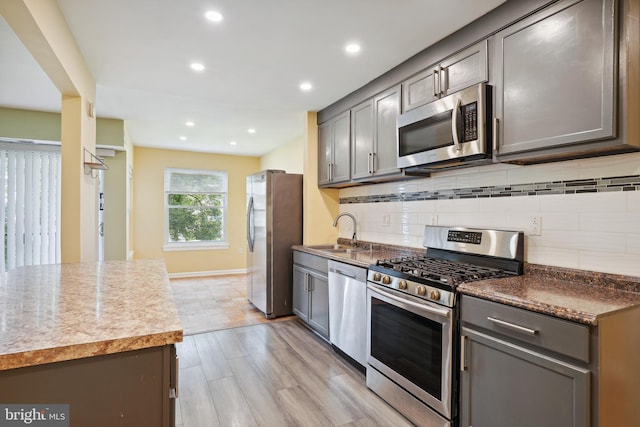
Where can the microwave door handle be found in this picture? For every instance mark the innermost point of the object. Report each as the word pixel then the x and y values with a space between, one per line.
pixel 454 124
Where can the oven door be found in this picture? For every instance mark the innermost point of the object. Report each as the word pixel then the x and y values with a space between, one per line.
pixel 409 340
pixel 451 129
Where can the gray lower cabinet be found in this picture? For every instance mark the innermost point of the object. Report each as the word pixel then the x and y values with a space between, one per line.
pixel 373 137
pixel 334 145
pixel 311 291
pixel 523 369
pixel 555 77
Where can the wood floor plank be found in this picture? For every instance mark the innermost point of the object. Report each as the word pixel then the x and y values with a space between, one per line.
pixel 338 411
pixel 355 393
pixel 315 352
pixel 187 352
pixel 214 363
pixel 232 408
pixel 196 405
pixel 302 408
pixel 262 401
pixel 274 375
pixel 232 347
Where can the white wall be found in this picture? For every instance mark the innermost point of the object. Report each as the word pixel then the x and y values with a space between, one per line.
pixel 590 231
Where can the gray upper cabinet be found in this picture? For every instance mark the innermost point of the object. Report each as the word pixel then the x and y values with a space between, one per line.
pixel 554 74
pixel 362 139
pixel 373 136
pixel 334 143
pixel 459 71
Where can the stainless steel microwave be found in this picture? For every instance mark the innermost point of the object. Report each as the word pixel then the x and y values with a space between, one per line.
pixel 453 131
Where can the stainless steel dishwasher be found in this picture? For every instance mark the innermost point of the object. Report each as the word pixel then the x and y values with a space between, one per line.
pixel 348 310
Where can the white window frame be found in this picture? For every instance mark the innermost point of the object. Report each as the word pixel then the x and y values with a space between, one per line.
pixel 169 246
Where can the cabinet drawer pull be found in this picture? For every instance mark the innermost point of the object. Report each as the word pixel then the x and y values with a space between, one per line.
pixel 513 326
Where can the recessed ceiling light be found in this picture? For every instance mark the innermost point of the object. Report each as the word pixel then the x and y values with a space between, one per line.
pixel 183 138
pixel 306 86
pixel 196 66
pixel 214 16
pixel 251 130
pixel 190 124
pixel 233 143
pixel 352 48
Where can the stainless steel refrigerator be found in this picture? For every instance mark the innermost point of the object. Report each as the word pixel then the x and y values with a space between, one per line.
pixel 274 224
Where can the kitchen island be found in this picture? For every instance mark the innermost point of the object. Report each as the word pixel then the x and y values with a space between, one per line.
pixel 96 336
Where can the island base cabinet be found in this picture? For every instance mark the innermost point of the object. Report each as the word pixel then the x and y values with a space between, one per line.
pixel 505 385
pixel 133 388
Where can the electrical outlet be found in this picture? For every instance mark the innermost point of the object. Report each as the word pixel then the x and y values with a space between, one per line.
pixel 386 220
pixel 535 225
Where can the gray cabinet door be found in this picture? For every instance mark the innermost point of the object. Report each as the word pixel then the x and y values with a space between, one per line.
pixel 464 69
pixel 505 385
pixel 341 149
pixel 387 109
pixel 554 77
pixel 420 89
pixel 300 303
pixel 362 140
pixel 319 307
pixel 324 153
pixel 454 73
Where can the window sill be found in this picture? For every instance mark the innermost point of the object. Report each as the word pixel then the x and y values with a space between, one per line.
pixel 174 247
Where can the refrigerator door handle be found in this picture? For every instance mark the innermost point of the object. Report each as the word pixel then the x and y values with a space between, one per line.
pixel 250 228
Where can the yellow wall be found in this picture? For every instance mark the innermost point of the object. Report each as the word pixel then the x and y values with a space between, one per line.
pixel 149 217
pixel 320 205
pixel 288 157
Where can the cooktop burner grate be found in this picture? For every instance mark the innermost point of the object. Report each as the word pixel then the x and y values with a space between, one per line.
pixel 441 270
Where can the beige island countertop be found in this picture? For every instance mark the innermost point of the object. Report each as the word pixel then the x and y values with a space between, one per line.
pixel 53 313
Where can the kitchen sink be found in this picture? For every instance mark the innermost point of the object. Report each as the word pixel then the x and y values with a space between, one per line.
pixel 337 248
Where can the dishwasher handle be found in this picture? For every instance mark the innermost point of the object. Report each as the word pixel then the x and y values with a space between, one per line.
pixel 343 273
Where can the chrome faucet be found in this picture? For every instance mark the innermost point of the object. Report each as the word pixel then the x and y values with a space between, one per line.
pixel 353 218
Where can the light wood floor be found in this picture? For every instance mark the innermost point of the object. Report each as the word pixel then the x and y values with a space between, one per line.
pixel 272 374
pixel 239 369
pixel 212 303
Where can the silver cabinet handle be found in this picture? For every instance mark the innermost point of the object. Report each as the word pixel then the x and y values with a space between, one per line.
pixel 513 326
pixel 496 129
pixel 463 355
pixel 373 163
pixel 454 125
pixel 436 83
pixel 369 164
pixel 444 80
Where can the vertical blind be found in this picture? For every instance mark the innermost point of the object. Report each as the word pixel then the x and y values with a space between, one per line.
pixel 29 207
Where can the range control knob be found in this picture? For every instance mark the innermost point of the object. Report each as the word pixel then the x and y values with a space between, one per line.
pixel 402 284
pixel 377 276
pixel 435 294
pixel 386 280
pixel 421 290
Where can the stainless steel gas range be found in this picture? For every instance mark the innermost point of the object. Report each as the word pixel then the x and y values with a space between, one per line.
pixel 413 320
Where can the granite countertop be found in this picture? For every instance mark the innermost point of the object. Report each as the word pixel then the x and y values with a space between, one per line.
pixel 52 313
pixel 580 296
pixel 575 295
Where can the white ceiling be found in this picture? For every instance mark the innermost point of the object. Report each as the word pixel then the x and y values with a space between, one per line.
pixel 139 53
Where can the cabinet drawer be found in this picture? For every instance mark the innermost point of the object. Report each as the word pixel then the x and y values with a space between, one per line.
pixel 550 333
pixel 313 262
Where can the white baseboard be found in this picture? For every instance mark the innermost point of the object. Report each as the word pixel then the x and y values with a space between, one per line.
pixel 207 273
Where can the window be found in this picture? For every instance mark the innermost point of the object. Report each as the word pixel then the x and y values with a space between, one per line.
pixel 196 204
pixel 29 205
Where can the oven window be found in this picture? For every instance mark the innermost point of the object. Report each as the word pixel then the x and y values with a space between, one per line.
pixel 425 135
pixel 409 344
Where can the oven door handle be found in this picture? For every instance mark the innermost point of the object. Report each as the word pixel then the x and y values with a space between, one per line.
pixel 423 307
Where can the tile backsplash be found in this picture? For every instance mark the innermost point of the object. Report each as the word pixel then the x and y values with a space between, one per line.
pixel 587 211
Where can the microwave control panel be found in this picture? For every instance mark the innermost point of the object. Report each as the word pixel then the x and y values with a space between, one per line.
pixel 470 120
